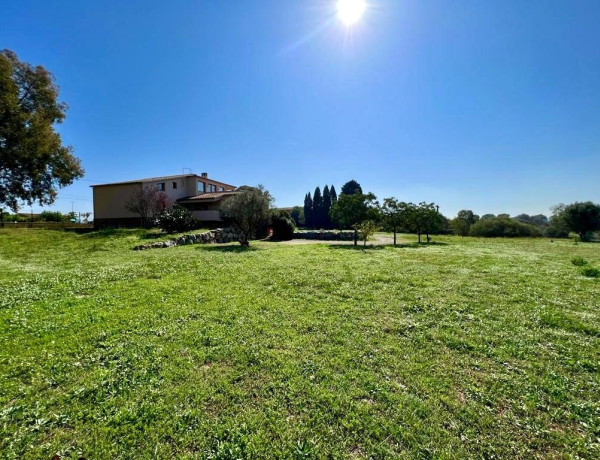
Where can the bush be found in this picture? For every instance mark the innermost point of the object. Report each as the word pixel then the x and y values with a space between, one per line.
pixel 590 272
pixel 283 226
pixel 578 261
pixel 177 219
pixel 503 227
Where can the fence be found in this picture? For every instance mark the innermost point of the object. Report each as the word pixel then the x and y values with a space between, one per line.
pixel 44 225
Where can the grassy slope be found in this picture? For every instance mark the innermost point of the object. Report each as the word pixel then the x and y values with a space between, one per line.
pixel 475 348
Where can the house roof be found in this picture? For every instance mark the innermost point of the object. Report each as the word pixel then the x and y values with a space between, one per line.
pixel 209 196
pixel 163 178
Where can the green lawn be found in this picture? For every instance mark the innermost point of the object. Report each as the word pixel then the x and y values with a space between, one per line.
pixel 462 349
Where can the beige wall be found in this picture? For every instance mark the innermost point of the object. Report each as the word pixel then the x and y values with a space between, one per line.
pixel 109 202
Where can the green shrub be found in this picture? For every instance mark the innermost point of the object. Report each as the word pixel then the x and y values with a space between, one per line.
pixel 590 272
pixel 177 219
pixel 283 226
pixel 578 261
pixel 503 227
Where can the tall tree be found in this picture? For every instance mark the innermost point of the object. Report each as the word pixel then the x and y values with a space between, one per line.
pixel 248 210
pixel 33 162
pixel 326 208
pixel 351 187
pixel 333 193
pixel 352 210
pixel 317 208
pixel 308 211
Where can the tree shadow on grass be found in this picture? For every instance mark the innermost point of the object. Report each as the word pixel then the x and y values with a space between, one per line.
pixel 231 248
pixel 414 245
pixel 110 231
pixel 360 247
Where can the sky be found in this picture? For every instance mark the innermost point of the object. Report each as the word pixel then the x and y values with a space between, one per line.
pixel 492 106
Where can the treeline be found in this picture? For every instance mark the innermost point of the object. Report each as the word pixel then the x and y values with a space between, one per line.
pixel 360 211
pixel 45 216
pixel 580 218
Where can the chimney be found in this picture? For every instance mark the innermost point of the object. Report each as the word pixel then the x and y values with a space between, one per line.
pixel 204 174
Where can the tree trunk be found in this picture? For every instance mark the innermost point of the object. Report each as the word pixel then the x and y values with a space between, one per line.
pixel 394 236
pixel 419 235
pixel 355 237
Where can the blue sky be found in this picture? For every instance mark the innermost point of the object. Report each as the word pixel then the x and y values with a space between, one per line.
pixel 488 105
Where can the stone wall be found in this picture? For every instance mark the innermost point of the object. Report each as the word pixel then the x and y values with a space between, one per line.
pixel 327 235
pixel 218 235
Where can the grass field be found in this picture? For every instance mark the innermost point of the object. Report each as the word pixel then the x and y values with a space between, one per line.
pixel 462 349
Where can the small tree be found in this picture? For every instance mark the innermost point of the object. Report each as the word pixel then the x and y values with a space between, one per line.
pixel 367 229
pixel 148 202
pixel 395 214
pixel 351 210
pixel 582 218
pixel 248 210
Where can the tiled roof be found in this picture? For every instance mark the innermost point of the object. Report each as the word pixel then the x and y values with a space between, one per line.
pixel 163 178
pixel 149 179
pixel 209 196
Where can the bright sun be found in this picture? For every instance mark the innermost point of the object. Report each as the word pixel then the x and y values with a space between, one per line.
pixel 350 11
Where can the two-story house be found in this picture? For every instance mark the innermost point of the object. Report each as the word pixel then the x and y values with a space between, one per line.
pixel 201 195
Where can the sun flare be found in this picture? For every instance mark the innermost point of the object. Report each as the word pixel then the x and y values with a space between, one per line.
pixel 350 11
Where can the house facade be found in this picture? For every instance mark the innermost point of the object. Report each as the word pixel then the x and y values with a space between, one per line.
pixel 200 194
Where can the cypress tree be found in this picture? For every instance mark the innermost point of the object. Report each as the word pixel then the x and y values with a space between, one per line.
pixel 326 207
pixel 333 194
pixel 317 207
pixel 308 208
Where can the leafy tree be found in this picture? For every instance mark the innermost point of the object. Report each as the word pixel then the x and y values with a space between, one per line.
pixel 367 229
pixel 283 226
pixel 395 214
pixel 148 202
pixel 351 187
pixel 326 208
pixel 424 218
pixel 249 210
pixel 488 216
pixel 463 221
pixel 317 209
pixel 351 210
pixel 33 162
pixel 582 218
pixel 557 227
pixel 297 214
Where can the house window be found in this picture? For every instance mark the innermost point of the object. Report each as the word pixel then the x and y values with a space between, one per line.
pixel 161 186
pixel 201 187
pixel 213 188
pixel 174 185
pixel 221 189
